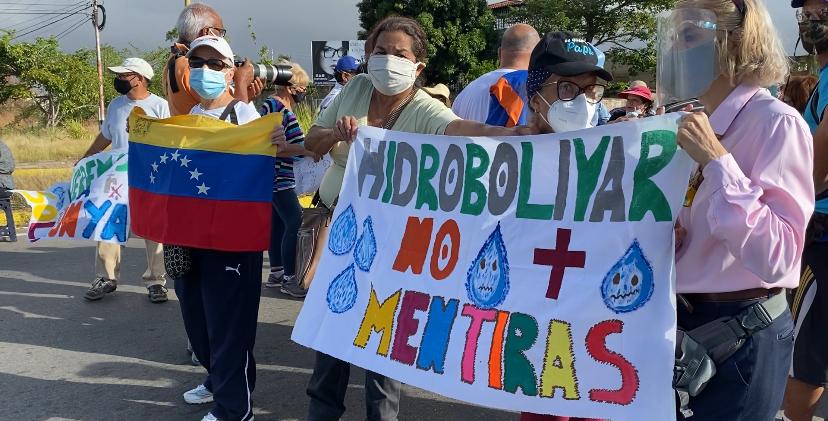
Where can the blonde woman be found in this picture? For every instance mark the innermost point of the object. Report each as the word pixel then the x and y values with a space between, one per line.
pixel 287 213
pixel 740 239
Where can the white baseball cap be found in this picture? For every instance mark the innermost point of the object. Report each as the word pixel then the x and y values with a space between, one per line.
pixel 134 65
pixel 216 43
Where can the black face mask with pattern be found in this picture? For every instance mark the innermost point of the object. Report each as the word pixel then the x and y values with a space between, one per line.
pixel 298 97
pixel 814 35
pixel 123 86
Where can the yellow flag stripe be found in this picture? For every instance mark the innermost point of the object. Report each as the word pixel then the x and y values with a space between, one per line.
pixel 204 133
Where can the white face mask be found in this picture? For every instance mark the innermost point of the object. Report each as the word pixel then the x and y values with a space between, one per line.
pixel 391 75
pixel 567 116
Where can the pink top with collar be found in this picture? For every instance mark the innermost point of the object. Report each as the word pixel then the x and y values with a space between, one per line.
pixel 746 226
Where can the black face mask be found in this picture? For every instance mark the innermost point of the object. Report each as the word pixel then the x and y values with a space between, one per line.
pixel 814 36
pixel 123 86
pixel 298 97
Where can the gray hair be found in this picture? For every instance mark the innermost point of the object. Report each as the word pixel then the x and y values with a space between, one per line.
pixel 193 19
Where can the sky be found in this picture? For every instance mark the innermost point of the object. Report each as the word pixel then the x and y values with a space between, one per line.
pixel 286 27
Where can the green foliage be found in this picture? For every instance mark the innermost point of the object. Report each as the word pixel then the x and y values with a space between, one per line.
pixel 458 33
pixel 75 129
pixel 306 115
pixel 57 85
pixel 611 25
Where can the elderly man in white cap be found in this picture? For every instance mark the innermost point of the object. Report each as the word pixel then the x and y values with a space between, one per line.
pixel 131 80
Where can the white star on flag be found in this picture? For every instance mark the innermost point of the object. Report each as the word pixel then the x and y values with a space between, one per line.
pixel 175 155
pixel 195 174
pixel 184 161
pixel 164 158
pixel 203 189
pixel 152 179
pixel 154 167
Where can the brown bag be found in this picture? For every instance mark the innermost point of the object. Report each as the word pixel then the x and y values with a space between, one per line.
pixel 311 239
pixel 313 234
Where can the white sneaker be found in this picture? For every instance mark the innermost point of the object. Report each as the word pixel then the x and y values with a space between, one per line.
pixel 198 396
pixel 209 417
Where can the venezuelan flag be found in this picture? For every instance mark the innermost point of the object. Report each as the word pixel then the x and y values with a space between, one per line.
pixel 508 102
pixel 200 182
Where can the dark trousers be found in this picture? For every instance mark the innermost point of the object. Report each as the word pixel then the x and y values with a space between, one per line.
pixel 219 300
pixel 750 385
pixel 329 382
pixel 286 219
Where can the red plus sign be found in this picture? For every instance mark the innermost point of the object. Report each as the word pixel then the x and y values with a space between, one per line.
pixel 559 258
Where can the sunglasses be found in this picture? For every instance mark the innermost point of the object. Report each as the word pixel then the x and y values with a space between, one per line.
pixel 212 63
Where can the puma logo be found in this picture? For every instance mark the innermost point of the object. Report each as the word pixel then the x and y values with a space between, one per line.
pixel 235 269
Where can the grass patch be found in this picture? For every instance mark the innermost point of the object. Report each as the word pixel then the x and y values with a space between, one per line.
pixel 39 179
pixel 48 144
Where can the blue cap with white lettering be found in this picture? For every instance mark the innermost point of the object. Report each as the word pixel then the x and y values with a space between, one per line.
pixel 563 54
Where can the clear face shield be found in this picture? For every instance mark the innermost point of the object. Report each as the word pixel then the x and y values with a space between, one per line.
pixel 687 56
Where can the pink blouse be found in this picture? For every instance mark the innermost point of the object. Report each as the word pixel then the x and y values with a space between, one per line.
pixel 746 225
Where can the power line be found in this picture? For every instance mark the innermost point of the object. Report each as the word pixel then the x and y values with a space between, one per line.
pixel 46 25
pixel 37 20
pixel 72 28
pixel 5 12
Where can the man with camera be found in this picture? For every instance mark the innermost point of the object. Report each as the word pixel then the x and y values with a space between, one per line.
pixel 197 20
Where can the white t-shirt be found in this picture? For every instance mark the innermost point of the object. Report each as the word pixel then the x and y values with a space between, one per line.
pixel 472 103
pixel 330 97
pixel 245 112
pixel 114 126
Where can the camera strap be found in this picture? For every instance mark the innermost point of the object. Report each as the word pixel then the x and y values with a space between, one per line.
pixel 230 110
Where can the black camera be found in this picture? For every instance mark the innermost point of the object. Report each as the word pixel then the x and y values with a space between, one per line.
pixel 278 74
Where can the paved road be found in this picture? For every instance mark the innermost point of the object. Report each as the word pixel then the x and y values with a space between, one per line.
pixel 123 358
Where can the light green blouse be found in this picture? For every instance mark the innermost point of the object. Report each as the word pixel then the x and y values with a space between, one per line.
pixel 424 115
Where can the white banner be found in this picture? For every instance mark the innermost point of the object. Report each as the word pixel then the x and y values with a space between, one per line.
pixel 529 274
pixel 93 206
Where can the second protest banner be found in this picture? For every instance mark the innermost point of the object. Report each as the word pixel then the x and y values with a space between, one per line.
pixel 533 274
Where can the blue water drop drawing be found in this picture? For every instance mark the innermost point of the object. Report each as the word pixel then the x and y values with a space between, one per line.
pixel 366 246
pixel 342 293
pixel 629 283
pixel 487 282
pixel 343 233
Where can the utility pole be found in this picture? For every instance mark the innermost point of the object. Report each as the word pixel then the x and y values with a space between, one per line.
pixel 100 63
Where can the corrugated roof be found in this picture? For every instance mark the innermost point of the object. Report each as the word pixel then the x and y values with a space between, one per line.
pixel 505 3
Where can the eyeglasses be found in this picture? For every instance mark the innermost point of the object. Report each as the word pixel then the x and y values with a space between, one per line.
pixel 567 91
pixel 330 52
pixel 219 32
pixel 815 14
pixel 212 63
pixel 126 76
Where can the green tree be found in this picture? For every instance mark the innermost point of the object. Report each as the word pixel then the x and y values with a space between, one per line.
pixel 618 27
pixel 459 32
pixel 57 86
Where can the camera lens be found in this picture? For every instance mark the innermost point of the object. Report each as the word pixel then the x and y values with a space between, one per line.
pixel 279 74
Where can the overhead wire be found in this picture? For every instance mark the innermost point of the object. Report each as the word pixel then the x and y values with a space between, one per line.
pixel 37 20
pixel 72 28
pixel 47 24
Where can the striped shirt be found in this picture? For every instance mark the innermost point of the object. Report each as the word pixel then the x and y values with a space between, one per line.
pixel 285 178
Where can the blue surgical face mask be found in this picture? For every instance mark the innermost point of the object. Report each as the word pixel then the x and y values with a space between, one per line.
pixel 207 83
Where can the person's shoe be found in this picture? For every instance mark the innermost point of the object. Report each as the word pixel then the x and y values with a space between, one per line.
pixel 198 396
pixel 157 293
pixel 209 417
pixel 291 287
pixel 275 280
pixel 100 287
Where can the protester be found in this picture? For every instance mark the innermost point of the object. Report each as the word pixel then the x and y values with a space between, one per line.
pixel 797 91
pixel 386 97
pixel 564 88
pixel 287 212
pixel 639 104
pixel 220 306
pixel 740 236
pixel 439 92
pixel 6 170
pixel 472 103
pixel 809 370
pixel 346 68
pixel 196 20
pixel 132 80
